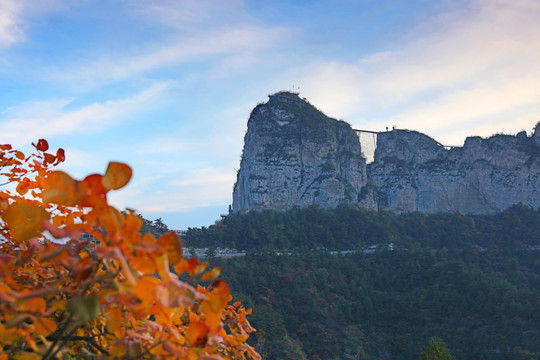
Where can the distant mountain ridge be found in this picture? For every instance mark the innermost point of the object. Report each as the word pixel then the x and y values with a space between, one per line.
pixel 295 156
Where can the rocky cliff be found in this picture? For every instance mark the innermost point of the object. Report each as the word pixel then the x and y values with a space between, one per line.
pixel 294 155
pixel 412 172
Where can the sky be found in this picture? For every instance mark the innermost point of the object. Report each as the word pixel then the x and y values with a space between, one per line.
pixel 167 86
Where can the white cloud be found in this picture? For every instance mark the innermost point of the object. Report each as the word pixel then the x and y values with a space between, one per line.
pixel 15 14
pixel 194 189
pixel 10 28
pixel 190 14
pixel 37 119
pixel 223 42
pixel 474 63
pixel 205 176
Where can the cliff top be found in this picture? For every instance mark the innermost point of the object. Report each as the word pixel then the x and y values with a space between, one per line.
pixel 285 94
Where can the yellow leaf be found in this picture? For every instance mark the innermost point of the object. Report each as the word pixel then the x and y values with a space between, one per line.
pixel 116 176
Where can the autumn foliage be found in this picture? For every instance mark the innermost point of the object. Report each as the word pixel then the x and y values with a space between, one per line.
pixel 112 293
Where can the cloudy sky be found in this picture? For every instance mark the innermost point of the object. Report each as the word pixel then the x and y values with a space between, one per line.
pixel 167 85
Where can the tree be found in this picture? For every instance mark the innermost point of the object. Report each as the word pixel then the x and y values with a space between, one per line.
pixel 436 350
pixel 62 296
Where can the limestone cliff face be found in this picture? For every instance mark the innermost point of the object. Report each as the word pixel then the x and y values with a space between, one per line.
pixel 294 155
pixel 412 172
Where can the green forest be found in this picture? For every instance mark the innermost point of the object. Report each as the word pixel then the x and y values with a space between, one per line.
pixel 347 283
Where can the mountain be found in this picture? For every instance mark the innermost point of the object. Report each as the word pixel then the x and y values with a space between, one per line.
pixel 295 156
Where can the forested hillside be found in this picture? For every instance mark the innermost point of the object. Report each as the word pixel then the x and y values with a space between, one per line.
pixel 350 227
pixel 473 281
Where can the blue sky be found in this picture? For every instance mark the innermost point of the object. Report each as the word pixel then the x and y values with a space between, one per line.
pixel 167 86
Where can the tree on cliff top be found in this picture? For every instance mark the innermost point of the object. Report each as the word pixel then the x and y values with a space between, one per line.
pixel 115 299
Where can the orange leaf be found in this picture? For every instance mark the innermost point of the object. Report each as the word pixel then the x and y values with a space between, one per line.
pixel 213 306
pixel 212 274
pixel 222 293
pixel 61 233
pixel 177 352
pixel 197 334
pixel 145 264
pixel 115 319
pixel 181 267
pixel 173 246
pixel 93 184
pixel 60 188
pixel 133 224
pixel 24 220
pixel 194 317
pixel 116 176
pixel 19 155
pixel 194 267
pixel 175 293
pixel 36 304
pixel 24 186
pixel 93 192
pixel 6 294
pixel 199 268
pixel 144 289
pixel 45 326
pixel 42 145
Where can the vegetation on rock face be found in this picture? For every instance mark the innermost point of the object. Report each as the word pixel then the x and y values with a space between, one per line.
pixel 114 297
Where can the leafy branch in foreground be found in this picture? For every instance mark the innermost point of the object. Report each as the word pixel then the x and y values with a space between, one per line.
pixel 113 297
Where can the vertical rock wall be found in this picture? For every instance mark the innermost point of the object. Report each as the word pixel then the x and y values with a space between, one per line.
pixel 294 155
pixel 412 172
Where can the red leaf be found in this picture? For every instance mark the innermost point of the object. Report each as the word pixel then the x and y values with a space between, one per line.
pixel 49 158
pixel 42 145
pixel 60 156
